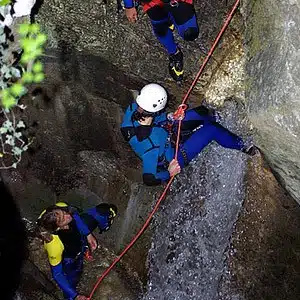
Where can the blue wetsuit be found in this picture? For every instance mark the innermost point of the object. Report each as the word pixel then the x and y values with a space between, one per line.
pixel 162 15
pixel 155 144
pixel 67 248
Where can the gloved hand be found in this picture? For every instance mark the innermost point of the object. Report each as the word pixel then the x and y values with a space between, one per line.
pixel 131 14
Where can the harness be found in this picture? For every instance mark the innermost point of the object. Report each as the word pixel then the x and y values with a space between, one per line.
pixel 147 4
pixel 142 133
pixel 184 135
pixel 172 3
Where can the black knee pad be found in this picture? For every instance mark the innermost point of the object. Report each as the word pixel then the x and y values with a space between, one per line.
pixel 161 29
pixel 191 34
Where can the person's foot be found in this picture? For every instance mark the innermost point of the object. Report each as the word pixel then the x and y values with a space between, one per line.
pixel 176 65
pixel 251 150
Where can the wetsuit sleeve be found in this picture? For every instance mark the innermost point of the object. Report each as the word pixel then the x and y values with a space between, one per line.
pixel 150 174
pixel 128 3
pixel 82 227
pixel 127 129
pixel 54 251
pixel 61 280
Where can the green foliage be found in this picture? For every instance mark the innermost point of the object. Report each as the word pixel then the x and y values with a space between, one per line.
pixel 13 85
pixel 4 2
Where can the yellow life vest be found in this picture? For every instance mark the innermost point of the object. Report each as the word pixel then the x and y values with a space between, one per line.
pixel 55 247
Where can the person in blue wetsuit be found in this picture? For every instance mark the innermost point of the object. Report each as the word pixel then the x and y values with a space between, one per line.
pixel 151 133
pixel 67 235
pixel 165 15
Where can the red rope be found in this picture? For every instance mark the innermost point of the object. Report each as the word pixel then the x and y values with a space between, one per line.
pixel 179 114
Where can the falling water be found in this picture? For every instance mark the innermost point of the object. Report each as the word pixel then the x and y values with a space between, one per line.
pixel 194 225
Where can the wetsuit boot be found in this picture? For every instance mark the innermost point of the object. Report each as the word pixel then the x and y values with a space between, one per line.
pixel 176 65
pixel 251 150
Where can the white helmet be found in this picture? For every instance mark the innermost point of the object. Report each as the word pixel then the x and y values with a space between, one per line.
pixel 152 98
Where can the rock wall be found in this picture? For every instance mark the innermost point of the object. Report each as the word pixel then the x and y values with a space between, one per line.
pixel 78 154
pixel 96 28
pixel 263 263
pixel 273 92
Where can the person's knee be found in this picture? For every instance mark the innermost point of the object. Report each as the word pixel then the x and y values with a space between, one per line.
pixel 160 29
pixel 191 34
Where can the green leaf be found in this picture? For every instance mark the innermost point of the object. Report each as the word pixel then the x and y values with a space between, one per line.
pixel 24 29
pixel 3 130
pixel 2 38
pixel 21 124
pixel 37 52
pixel 27 77
pixel 25 58
pixel 5 93
pixel 35 28
pixel 25 43
pixel 17 89
pixel 8 102
pixel 7 124
pixel 41 39
pixel 39 77
pixel 37 67
pixel 17 134
pixel 4 2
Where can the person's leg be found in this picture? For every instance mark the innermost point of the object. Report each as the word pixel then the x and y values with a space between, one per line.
pixel 199 113
pixel 193 120
pixel 73 270
pixel 208 133
pixel 160 23
pixel 184 18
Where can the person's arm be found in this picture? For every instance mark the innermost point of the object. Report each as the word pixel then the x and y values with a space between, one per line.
pixel 82 227
pixel 150 175
pixel 130 11
pixel 84 230
pixel 55 250
pixel 128 3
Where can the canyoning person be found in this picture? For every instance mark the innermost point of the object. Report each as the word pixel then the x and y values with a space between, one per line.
pixel 67 236
pixel 165 15
pixel 152 134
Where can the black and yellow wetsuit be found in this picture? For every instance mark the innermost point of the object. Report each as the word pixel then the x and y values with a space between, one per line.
pixel 66 249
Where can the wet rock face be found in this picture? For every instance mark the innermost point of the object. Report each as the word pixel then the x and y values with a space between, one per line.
pixel 95 27
pixel 273 93
pixel 194 226
pixel 263 263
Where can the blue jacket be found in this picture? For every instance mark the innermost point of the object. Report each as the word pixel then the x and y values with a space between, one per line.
pixel 151 144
